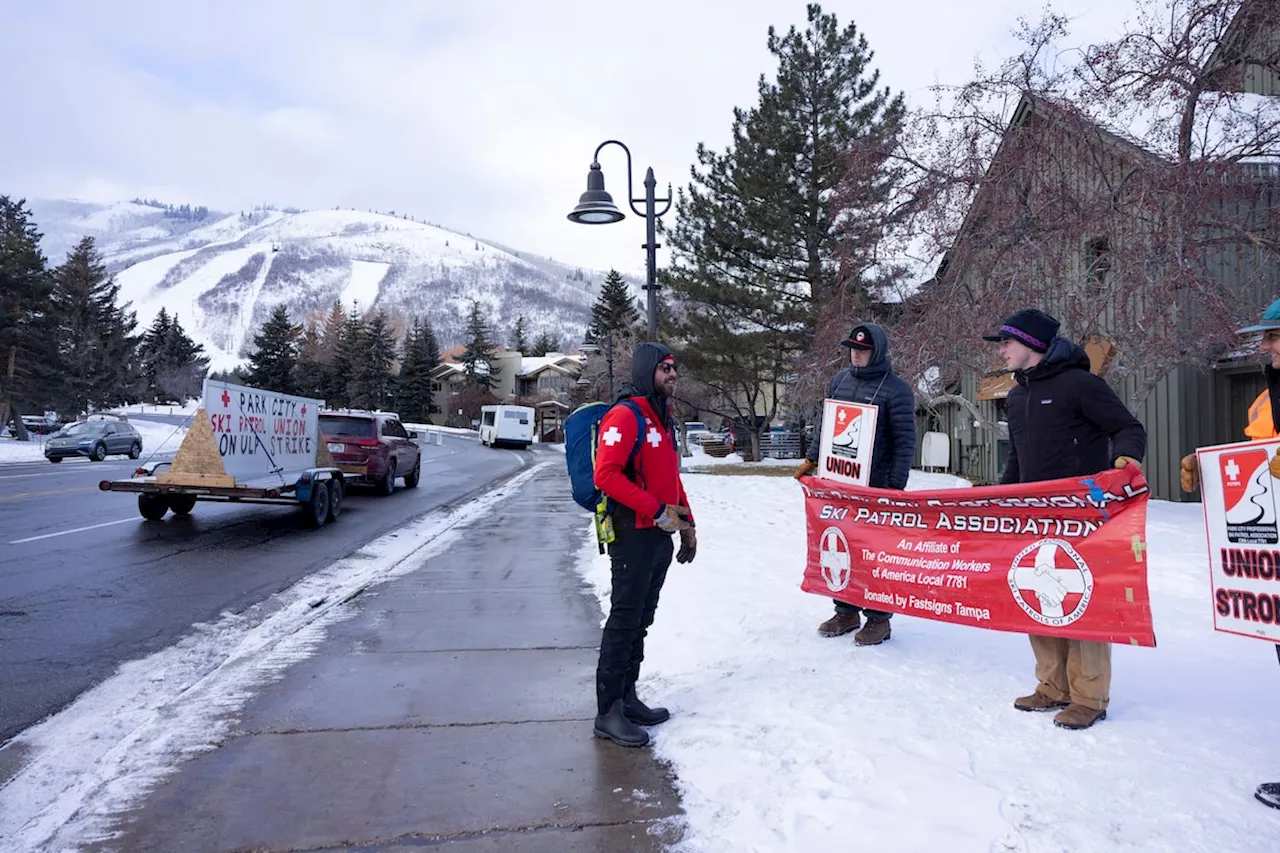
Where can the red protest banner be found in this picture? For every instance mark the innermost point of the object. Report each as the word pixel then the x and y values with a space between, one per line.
pixel 1061 558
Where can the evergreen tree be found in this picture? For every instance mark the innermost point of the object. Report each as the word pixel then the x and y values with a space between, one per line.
pixel 173 365
pixel 309 373
pixel 546 343
pixel 756 250
pixel 95 335
pixel 346 355
pixel 414 398
pixel 332 382
pixel 29 375
pixel 615 309
pixel 477 357
pixel 275 353
pixel 372 373
pixel 519 340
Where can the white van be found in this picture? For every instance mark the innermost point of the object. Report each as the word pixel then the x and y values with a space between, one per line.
pixel 511 425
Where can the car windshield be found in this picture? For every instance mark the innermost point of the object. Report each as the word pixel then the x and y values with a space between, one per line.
pixel 340 425
pixel 90 428
pixel 695 426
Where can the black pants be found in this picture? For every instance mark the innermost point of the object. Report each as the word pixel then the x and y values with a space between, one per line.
pixel 845 607
pixel 639 561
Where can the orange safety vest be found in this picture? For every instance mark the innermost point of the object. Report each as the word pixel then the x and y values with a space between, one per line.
pixel 1260 424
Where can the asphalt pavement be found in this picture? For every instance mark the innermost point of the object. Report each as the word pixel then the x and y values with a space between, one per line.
pixel 86 583
pixel 452 709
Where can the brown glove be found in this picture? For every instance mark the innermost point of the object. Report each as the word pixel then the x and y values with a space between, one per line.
pixel 688 546
pixel 805 468
pixel 1275 464
pixel 672 518
pixel 1189 474
pixel 1127 461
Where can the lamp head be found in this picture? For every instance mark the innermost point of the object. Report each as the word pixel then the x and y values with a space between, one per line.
pixel 596 206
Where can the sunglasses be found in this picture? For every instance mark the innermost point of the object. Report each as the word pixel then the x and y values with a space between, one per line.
pixel 668 367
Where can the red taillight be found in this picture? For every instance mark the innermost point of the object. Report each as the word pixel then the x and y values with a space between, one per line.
pixel 362 442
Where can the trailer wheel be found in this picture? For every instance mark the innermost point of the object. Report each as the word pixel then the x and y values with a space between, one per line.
pixel 152 507
pixel 182 504
pixel 317 508
pixel 337 493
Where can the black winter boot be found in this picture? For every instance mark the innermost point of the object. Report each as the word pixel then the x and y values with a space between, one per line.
pixel 614 725
pixel 1268 793
pixel 640 713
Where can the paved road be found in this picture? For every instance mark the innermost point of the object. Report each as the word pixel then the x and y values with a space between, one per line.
pixel 86 584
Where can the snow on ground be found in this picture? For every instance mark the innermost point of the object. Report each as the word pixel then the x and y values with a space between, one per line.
pixel 365 283
pixel 782 740
pixel 157 439
pixel 188 408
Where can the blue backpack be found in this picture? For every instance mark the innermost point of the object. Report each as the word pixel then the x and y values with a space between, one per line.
pixel 581 435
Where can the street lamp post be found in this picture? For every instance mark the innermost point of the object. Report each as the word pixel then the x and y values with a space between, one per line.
pixel 596 207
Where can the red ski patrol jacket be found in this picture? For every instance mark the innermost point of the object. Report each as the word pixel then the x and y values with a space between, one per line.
pixel 657 475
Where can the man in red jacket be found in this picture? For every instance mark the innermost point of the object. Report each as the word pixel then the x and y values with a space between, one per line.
pixel 648 506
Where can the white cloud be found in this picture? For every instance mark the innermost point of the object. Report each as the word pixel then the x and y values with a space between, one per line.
pixel 479 116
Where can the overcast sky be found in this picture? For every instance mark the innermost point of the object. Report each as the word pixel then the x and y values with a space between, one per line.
pixel 480 115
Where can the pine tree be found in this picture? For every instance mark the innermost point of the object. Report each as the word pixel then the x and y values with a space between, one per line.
pixel 519 341
pixel 332 382
pixel 372 372
pixel 347 354
pixel 173 365
pixel 275 353
pixel 615 309
pixel 414 398
pixel 546 343
pixel 29 374
pixel 309 372
pixel 757 249
pixel 477 358
pixel 94 335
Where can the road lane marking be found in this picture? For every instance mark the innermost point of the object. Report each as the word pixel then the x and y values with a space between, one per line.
pixel 51 492
pixel 74 530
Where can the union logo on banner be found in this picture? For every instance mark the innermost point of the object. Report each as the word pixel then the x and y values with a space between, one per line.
pixel 837 566
pixel 1247 497
pixel 1051 582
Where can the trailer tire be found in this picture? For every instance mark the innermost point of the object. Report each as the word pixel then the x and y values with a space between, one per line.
pixel 152 507
pixel 182 504
pixel 337 494
pixel 317 509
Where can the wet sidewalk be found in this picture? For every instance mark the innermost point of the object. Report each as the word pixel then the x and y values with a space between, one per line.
pixel 452 711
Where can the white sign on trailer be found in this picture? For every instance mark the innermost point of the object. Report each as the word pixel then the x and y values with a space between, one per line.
pixel 261 432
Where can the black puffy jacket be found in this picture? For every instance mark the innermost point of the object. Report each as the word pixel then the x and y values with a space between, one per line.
pixel 895 446
pixel 1066 422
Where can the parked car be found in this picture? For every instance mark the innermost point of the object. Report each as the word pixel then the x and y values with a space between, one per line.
pixel 35 424
pixel 697 432
pixel 372 448
pixel 95 439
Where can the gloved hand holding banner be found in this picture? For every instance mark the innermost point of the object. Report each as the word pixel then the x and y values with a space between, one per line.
pixel 1060 558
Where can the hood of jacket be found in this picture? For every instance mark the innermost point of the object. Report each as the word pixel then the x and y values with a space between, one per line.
pixel 644 363
pixel 1061 355
pixel 879 365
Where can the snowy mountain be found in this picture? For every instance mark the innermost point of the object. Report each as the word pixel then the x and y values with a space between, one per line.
pixel 223 274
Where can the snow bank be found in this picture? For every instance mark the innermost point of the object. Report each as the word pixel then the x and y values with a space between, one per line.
pixel 782 740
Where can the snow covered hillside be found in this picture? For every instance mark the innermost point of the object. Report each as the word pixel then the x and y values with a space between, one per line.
pixel 224 274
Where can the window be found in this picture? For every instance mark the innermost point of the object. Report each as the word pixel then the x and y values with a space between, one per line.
pixel 487 418
pixel 394 429
pixel 342 425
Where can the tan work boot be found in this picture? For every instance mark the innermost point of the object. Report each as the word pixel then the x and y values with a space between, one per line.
pixel 876 632
pixel 842 623
pixel 1078 717
pixel 1038 702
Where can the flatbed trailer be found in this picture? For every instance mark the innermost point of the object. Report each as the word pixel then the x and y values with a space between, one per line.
pixel 265 449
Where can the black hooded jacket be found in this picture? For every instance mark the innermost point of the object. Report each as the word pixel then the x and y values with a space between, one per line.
pixel 1066 422
pixel 644 363
pixel 895 446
